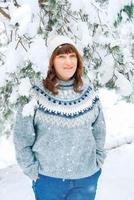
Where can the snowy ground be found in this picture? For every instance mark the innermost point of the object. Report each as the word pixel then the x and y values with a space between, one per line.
pixel 116 181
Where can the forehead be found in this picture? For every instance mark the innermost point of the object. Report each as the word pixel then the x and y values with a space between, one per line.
pixel 65 49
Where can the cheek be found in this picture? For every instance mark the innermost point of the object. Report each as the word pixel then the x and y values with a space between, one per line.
pixel 75 62
pixel 56 65
pixel 59 69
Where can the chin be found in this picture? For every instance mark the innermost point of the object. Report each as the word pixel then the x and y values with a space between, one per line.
pixel 69 77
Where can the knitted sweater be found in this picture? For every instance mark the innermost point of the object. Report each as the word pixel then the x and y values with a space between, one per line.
pixel 65 137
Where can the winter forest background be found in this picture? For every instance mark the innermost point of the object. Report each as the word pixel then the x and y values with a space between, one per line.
pixel 104 31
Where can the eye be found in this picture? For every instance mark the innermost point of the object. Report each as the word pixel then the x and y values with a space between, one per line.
pixel 73 56
pixel 61 56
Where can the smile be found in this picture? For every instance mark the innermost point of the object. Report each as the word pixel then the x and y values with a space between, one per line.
pixel 68 67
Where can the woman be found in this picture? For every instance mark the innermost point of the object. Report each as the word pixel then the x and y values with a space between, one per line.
pixel 61 146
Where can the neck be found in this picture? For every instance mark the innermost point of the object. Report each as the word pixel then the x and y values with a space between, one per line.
pixel 65 84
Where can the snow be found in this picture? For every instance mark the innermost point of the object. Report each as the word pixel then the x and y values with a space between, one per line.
pixel 14 95
pixel 117 177
pixel 84 36
pixel 3 76
pixel 115 7
pixel 123 84
pixel 26 17
pixel 27 40
pixel 106 69
pixel 7 153
pixel 116 180
pixel 28 109
pixel 15 185
pixel 21 15
pixel 118 114
pixel 24 87
pixel 14 57
pixel 40 62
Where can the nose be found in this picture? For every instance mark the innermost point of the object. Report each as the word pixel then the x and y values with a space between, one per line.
pixel 68 60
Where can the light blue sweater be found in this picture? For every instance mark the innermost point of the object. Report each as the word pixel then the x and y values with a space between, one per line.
pixel 65 137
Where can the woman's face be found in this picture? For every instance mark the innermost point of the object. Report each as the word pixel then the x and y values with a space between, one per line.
pixel 65 65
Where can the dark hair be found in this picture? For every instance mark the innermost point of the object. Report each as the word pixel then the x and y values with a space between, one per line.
pixel 51 79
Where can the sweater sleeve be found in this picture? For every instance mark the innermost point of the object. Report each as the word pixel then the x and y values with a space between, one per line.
pixel 24 138
pixel 99 133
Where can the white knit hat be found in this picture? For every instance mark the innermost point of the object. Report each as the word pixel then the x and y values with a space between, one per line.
pixel 56 41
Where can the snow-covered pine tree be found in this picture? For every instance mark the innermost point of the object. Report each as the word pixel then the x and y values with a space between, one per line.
pixel 102 29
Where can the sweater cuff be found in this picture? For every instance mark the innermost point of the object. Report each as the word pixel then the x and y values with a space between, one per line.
pixel 32 171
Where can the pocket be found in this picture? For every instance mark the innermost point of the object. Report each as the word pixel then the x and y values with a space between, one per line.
pixel 38 186
pixel 34 189
pixel 97 174
pixel 38 181
pixel 33 184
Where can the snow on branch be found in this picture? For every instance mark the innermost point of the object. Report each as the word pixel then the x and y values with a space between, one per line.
pixel 107 50
pixel 117 142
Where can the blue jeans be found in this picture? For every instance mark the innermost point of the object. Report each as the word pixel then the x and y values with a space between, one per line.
pixel 49 188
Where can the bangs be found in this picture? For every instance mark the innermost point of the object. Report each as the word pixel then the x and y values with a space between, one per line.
pixel 65 49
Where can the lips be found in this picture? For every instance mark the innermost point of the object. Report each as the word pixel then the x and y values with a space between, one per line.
pixel 68 67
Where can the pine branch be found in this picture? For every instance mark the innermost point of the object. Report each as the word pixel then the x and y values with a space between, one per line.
pixel 20 41
pixel 4 14
pixel 41 2
pixel 16 3
pixel 69 14
pixel 98 10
